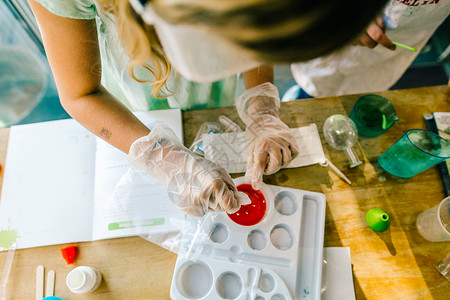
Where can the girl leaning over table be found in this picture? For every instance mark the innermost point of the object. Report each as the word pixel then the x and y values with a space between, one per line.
pixel 111 57
pixel 374 68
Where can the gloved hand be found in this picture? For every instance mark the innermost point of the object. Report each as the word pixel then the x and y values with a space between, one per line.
pixel 195 184
pixel 270 144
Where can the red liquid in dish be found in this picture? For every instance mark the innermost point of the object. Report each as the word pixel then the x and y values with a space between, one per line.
pixel 252 213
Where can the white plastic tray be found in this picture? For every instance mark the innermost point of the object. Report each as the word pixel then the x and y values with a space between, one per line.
pixel 278 258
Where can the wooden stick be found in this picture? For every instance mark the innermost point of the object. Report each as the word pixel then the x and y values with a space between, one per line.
pixel 39 282
pixel 50 284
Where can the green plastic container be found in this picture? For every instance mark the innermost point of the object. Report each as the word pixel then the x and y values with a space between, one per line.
pixel 377 219
pixel 416 151
pixel 373 115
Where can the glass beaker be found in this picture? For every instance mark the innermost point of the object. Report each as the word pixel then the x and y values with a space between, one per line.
pixel 341 133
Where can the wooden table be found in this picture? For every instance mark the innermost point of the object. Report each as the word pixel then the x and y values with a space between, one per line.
pixel 395 264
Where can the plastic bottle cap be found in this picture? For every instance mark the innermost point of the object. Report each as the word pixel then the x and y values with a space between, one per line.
pixel 83 280
pixel 377 219
pixel 69 253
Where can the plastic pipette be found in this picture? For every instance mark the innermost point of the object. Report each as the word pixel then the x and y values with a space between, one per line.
pixel 7 270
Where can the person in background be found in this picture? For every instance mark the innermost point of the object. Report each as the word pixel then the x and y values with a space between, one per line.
pixel 109 57
pixel 355 69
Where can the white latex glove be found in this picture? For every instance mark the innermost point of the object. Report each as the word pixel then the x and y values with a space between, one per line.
pixel 195 184
pixel 270 144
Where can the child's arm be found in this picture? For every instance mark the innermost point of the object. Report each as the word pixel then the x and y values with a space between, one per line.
pixel 257 76
pixel 73 53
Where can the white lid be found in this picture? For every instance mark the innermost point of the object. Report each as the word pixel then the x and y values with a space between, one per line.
pixel 81 280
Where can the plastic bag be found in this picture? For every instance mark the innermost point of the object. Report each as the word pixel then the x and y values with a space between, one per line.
pixel 145 208
pixel 23 82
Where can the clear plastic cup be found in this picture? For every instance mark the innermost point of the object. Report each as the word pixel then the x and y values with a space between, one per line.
pixel 434 223
pixel 416 151
pixel 444 267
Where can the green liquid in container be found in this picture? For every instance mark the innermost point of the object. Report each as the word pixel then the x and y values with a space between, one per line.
pixel 372 117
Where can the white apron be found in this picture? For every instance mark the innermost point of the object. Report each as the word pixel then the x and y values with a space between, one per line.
pixel 357 69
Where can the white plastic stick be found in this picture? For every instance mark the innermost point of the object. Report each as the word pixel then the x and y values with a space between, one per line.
pixel 335 169
pixel 7 270
pixel 39 282
pixel 50 284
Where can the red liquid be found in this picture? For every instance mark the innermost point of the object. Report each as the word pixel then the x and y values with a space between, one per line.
pixel 252 213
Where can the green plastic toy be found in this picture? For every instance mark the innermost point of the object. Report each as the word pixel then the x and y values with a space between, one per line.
pixel 377 219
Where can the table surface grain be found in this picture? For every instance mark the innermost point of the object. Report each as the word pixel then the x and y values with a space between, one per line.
pixel 396 264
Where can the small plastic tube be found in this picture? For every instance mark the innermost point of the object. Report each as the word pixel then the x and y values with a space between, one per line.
pixel 82 280
pixel 404 46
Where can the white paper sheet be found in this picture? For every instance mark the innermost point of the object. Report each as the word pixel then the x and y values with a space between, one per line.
pixel 337 276
pixel 47 186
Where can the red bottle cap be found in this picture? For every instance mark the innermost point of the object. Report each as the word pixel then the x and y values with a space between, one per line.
pixel 68 253
pixel 253 213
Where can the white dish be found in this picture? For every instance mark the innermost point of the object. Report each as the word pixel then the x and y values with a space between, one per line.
pixel 278 258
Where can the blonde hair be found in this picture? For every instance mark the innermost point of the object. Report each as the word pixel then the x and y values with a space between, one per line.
pixel 275 31
pixel 141 44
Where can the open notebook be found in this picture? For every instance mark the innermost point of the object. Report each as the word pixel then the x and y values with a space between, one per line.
pixel 58 183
